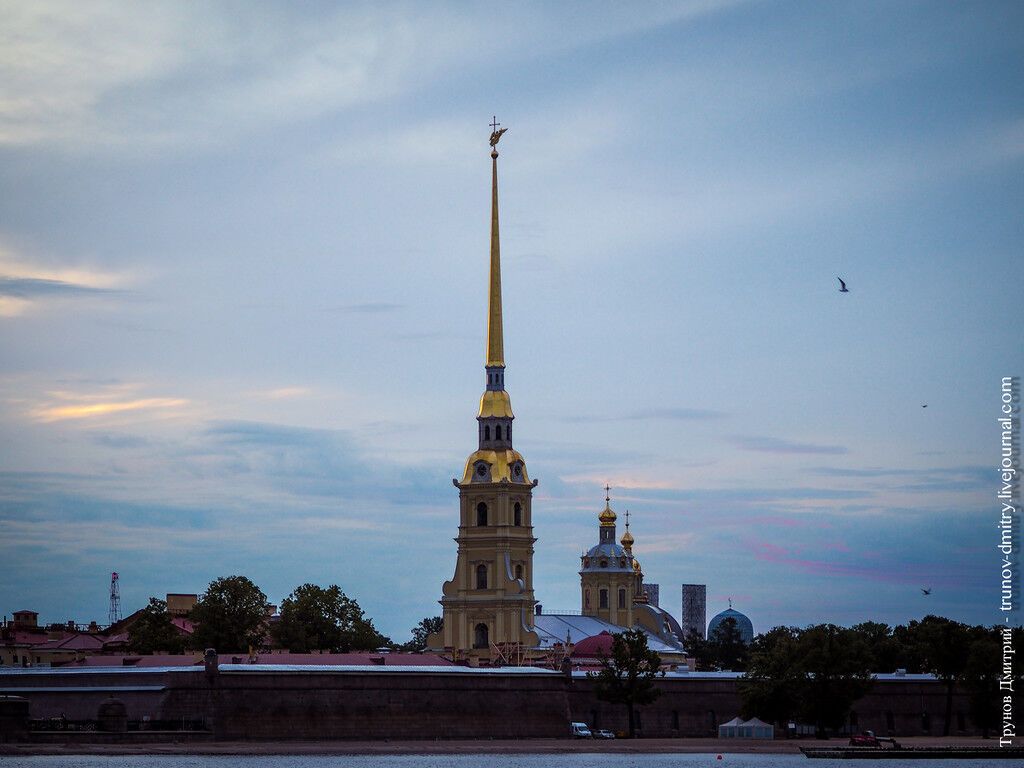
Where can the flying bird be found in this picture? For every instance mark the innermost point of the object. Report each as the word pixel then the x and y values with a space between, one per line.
pixel 925 405
pixel 926 592
pixel 842 285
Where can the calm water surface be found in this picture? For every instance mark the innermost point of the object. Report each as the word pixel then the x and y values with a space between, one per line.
pixel 478 761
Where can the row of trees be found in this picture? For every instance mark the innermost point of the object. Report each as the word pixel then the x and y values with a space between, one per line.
pixel 232 616
pixel 815 674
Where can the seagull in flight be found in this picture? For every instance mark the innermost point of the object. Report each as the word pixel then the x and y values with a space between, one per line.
pixel 925 405
pixel 926 592
pixel 842 285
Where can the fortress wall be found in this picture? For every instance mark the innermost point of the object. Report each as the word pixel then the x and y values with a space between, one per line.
pixel 695 707
pixel 247 702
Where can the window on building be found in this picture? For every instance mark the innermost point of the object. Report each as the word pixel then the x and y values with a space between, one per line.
pixel 481 514
pixel 517 513
pixel 487 433
pixel 586 598
pixel 480 639
pixel 604 598
pixel 481 576
pixel 497 432
pixel 519 571
pixel 622 598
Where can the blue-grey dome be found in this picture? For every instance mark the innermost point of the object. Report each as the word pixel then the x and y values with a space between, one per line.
pixel 746 629
pixel 612 555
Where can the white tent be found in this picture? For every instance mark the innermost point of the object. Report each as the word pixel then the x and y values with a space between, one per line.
pixel 730 730
pixel 746 729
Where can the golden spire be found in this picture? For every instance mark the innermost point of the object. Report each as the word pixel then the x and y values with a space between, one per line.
pixel 607 517
pixel 495 343
pixel 627 538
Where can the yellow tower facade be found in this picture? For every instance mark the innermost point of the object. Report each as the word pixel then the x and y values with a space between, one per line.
pixel 488 606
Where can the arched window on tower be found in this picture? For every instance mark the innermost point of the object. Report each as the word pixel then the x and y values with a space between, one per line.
pixel 481 576
pixel 497 432
pixel 586 598
pixel 517 513
pixel 519 571
pixel 622 598
pixel 487 433
pixel 481 514
pixel 603 599
pixel 480 636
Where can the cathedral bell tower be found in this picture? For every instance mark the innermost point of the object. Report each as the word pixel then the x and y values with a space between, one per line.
pixel 611 581
pixel 488 605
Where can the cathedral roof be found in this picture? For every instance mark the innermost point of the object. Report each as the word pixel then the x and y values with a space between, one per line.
pixel 501 464
pixel 612 553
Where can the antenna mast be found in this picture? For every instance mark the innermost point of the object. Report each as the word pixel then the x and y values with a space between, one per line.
pixel 114 615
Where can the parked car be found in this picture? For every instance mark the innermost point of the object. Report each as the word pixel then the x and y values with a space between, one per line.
pixel 580 731
pixel 602 733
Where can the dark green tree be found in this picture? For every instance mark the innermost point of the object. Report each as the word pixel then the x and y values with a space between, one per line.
pixel 887 652
pixel 421 631
pixel 836 671
pixel 231 617
pixel 317 619
pixel 773 683
pixel 814 674
pixel 981 678
pixel 702 651
pixel 627 676
pixel 730 650
pixel 153 632
pixel 942 645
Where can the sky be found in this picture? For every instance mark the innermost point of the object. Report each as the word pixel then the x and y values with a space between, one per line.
pixel 243 272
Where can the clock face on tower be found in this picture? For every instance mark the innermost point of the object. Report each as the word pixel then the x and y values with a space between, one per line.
pixel 517 471
pixel 481 469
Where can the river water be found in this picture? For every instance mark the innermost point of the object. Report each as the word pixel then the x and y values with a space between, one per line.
pixel 473 761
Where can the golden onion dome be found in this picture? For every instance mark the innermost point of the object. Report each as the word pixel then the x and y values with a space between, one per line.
pixel 607 517
pixel 627 540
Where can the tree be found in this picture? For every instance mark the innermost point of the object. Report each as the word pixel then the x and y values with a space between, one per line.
pixel 772 685
pixel 627 676
pixel 702 651
pixel 814 674
pixel 981 673
pixel 728 646
pixel 314 618
pixel 943 645
pixel 887 652
pixel 421 631
pixel 152 631
pixel 836 671
pixel 231 617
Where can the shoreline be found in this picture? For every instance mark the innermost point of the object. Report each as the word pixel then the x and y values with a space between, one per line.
pixel 465 747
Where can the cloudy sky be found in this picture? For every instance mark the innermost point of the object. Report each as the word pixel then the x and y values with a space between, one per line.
pixel 243 263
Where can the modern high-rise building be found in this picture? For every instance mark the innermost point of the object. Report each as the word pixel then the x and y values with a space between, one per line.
pixel 694 615
pixel 651 590
pixel 488 605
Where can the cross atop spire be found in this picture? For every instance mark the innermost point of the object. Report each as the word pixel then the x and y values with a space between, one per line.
pixel 627 519
pixel 494 124
pixel 607 491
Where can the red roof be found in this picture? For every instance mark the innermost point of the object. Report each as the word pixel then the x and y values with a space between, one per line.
pixel 594 647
